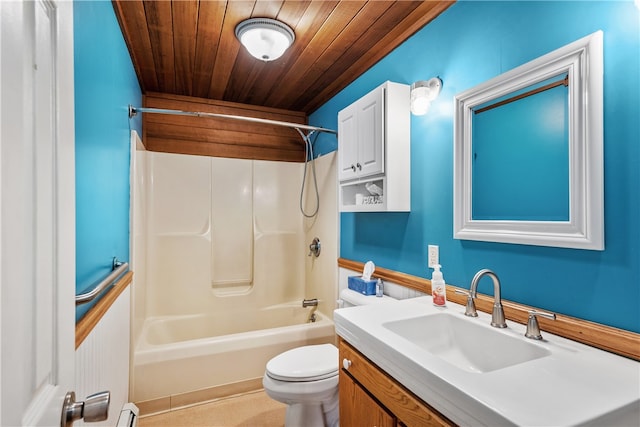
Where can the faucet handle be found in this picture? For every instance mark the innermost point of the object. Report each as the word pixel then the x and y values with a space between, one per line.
pixel 470 309
pixel 497 316
pixel 314 247
pixel 533 329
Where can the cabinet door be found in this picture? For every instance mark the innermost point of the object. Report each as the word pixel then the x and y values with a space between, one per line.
pixel 357 408
pixel 348 143
pixel 370 133
pixel 401 403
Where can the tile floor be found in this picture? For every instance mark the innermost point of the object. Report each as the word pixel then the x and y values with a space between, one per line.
pixel 254 409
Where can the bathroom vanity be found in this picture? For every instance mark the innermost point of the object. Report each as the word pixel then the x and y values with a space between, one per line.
pixel 411 363
pixel 369 396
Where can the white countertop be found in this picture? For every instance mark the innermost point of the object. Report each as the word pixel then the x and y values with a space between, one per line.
pixel 574 385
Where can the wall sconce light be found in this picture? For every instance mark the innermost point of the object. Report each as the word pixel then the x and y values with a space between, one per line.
pixel 265 38
pixel 422 93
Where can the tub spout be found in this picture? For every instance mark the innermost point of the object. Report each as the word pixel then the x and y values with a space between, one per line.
pixel 310 302
pixel 313 303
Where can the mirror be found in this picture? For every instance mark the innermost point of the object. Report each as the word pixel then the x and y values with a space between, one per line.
pixel 513 140
pixel 528 163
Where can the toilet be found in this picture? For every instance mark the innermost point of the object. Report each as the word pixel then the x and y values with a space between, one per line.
pixel 306 378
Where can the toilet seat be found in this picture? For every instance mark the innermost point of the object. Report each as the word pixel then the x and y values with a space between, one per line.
pixel 308 363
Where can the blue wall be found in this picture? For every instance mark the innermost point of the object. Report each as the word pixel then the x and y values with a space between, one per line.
pixel 471 42
pixel 105 84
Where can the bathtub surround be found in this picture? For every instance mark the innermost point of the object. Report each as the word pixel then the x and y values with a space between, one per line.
pixel 469 43
pixel 321 273
pixel 222 248
pixel 223 235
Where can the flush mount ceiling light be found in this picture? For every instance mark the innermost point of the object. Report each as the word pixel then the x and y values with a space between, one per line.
pixel 422 93
pixel 265 38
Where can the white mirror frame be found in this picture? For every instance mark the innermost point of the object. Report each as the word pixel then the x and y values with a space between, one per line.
pixel 582 61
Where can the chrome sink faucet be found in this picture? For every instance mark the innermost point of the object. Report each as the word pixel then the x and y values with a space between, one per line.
pixel 497 316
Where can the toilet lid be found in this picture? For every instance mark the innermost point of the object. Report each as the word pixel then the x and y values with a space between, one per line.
pixel 308 363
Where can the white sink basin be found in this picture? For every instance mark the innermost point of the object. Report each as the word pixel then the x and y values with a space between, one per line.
pixel 465 343
pixel 479 375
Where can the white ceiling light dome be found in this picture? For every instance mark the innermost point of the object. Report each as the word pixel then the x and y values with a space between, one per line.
pixel 266 39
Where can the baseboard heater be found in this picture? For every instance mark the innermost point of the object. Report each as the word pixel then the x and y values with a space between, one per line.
pixel 128 416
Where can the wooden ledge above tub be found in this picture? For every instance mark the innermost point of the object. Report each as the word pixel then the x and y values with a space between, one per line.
pixel 95 313
pixel 608 338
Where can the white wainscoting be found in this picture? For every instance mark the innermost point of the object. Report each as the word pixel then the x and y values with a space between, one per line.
pixel 102 360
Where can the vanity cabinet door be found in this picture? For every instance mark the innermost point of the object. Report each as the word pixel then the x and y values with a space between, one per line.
pixel 358 409
pixel 406 409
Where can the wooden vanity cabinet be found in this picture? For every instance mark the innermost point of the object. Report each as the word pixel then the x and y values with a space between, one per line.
pixel 358 408
pixel 370 397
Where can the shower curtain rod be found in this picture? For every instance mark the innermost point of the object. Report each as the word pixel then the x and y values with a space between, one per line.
pixel 135 110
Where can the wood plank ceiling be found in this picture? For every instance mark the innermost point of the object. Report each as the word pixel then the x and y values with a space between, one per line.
pixel 188 47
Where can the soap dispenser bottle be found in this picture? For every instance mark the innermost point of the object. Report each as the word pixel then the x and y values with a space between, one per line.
pixel 379 288
pixel 438 289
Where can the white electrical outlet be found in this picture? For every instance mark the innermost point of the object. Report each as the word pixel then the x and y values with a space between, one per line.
pixel 434 255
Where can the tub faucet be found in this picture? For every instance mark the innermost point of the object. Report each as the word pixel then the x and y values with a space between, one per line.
pixel 497 316
pixel 310 302
pixel 313 303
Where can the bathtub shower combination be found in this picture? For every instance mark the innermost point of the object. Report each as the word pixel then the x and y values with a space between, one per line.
pixel 221 271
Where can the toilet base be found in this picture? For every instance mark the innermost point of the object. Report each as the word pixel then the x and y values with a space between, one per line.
pixel 312 415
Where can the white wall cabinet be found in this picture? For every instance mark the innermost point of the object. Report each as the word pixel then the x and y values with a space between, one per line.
pixel 360 131
pixel 374 167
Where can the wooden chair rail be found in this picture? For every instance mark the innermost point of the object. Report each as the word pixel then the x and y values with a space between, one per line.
pixel 93 316
pixel 619 341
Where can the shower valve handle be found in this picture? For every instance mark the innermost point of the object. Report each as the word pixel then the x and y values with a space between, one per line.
pixel 314 247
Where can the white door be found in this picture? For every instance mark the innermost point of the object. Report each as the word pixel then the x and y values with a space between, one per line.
pixel 37 211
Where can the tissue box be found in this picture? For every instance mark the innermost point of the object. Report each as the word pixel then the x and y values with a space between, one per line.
pixel 358 284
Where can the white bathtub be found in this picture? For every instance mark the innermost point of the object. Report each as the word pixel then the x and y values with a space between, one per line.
pixel 177 356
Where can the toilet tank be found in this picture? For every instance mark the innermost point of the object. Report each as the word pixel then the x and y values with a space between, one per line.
pixel 351 298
